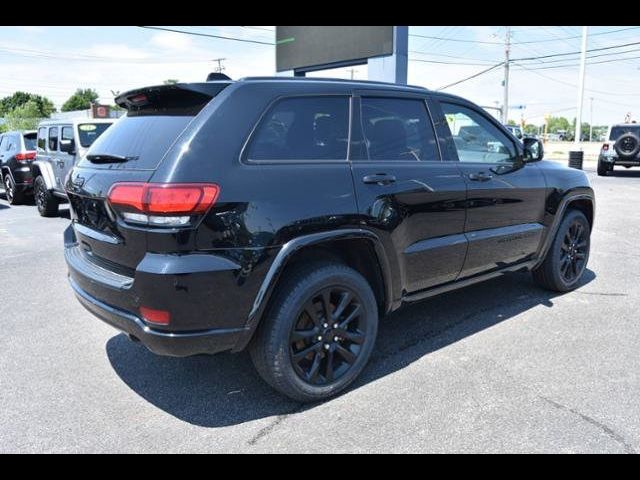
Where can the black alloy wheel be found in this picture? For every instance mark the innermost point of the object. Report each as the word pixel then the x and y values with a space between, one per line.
pixel 574 252
pixel 328 335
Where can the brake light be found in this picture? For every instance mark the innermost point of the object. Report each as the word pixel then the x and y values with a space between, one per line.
pixel 605 147
pixel 22 157
pixel 159 317
pixel 162 204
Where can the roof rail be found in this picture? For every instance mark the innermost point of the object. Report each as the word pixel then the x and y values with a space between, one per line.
pixel 329 79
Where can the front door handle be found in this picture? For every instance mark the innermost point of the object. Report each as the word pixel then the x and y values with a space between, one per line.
pixel 480 177
pixel 379 179
pixel 60 163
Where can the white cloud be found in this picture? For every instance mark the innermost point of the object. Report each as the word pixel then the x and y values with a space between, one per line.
pixel 172 41
pixel 117 51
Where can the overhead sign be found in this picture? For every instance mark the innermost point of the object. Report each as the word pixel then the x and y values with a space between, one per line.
pixel 316 47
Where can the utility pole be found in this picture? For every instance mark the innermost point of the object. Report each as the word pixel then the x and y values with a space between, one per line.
pixel 220 67
pixel 583 64
pixel 353 71
pixel 505 101
pixel 591 121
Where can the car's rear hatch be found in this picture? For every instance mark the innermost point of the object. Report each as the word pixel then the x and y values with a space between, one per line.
pixel 129 151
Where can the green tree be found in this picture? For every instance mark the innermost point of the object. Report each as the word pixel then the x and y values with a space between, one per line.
pixel 81 100
pixel 512 122
pixel 171 81
pixel 24 117
pixel 45 106
pixel 531 129
pixel 558 123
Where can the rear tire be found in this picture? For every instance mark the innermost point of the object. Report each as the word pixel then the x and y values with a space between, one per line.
pixel 567 257
pixel 13 196
pixel 604 168
pixel 337 348
pixel 46 202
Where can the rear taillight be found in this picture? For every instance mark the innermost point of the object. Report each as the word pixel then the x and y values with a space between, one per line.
pixel 605 147
pixel 159 317
pixel 23 157
pixel 162 204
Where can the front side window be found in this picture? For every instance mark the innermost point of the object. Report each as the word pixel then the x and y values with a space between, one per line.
pixel 53 139
pixel 477 139
pixel 398 129
pixel 67 133
pixel 303 128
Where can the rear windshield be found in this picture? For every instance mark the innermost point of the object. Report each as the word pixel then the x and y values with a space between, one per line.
pixel 617 132
pixel 142 140
pixel 30 140
pixel 89 132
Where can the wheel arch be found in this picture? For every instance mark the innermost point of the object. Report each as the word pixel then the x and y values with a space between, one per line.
pixel 353 247
pixel 581 199
pixel 44 170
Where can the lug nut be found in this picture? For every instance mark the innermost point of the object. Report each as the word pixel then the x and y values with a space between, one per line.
pixel 335 325
pixel 325 325
pixel 319 338
pixel 336 339
pixel 327 346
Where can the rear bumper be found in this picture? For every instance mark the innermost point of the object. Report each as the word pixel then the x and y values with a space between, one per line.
pixel 208 297
pixel 623 162
pixel 22 178
pixel 181 344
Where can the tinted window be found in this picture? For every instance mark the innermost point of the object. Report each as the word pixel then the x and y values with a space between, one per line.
pixel 398 129
pixel 142 140
pixel 53 139
pixel 305 128
pixel 30 141
pixel 89 132
pixel 42 138
pixel 617 132
pixel 477 139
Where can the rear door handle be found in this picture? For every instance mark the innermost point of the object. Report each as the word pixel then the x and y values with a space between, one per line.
pixel 480 177
pixel 379 179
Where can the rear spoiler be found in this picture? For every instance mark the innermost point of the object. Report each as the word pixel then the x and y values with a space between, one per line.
pixel 178 97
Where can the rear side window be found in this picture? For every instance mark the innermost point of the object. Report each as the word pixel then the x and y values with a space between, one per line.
pixel 42 138
pixel 67 133
pixel 398 129
pixel 53 139
pixel 89 132
pixel 303 128
pixel 141 140
pixel 29 141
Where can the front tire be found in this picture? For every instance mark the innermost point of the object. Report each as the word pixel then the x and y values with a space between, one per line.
pixel 46 202
pixel 318 333
pixel 567 257
pixel 13 196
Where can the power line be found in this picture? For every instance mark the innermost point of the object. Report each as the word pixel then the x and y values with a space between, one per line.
pixel 461 40
pixel 209 35
pixel 472 76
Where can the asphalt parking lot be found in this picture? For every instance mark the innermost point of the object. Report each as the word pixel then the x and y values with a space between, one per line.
pixel 497 367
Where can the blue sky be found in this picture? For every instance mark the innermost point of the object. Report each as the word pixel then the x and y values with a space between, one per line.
pixel 54 61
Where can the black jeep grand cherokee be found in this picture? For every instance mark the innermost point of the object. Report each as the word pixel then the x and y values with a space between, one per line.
pixel 287 215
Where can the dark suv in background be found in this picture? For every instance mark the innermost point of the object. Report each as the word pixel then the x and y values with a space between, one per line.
pixel 287 215
pixel 17 152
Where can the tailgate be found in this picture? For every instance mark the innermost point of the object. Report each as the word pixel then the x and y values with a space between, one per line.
pixel 105 240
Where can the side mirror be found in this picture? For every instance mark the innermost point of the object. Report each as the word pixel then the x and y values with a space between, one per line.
pixel 533 150
pixel 68 146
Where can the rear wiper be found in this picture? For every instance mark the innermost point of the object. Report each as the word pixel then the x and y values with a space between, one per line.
pixel 108 158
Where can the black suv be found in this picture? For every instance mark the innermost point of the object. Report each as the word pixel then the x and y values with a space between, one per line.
pixel 17 152
pixel 287 215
